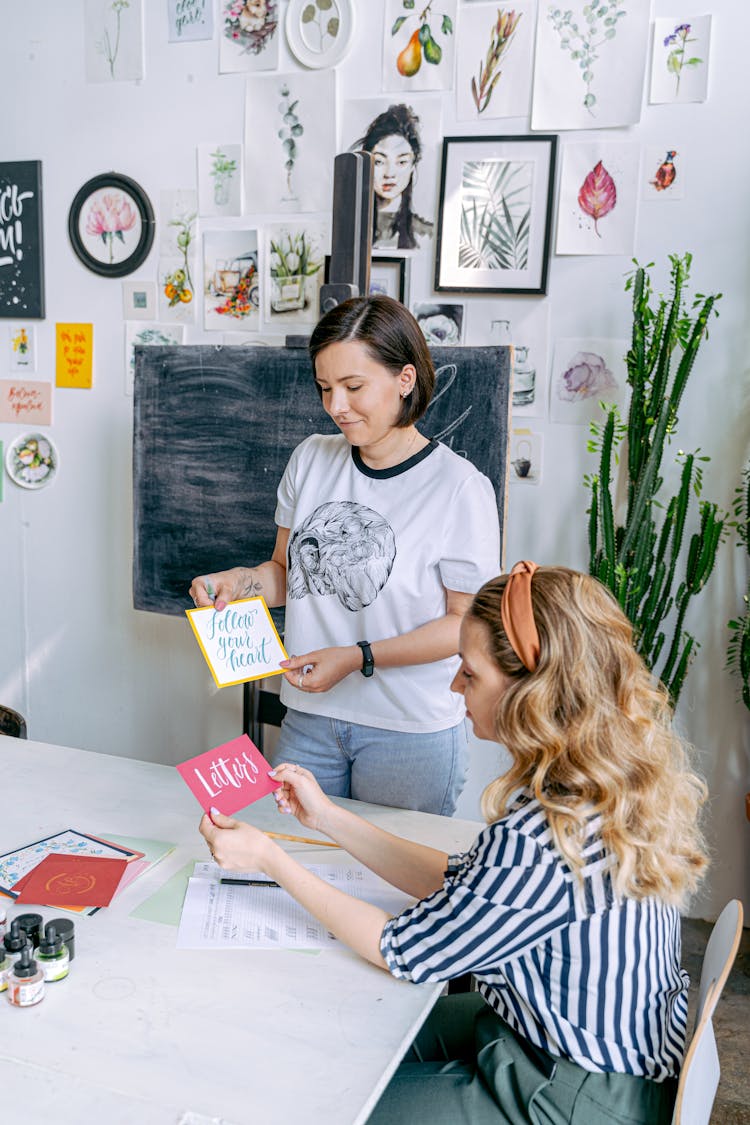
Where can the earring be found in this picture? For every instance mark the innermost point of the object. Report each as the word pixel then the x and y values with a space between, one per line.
pixel 405 394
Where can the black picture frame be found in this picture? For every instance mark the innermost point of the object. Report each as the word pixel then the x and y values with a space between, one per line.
pixel 21 240
pixel 400 268
pixel 101 203
pixel 481 247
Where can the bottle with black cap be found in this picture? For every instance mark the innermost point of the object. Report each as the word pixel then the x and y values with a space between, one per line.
pixel 32 924
pixel 14 942
pixel 67 932
pixel 52 955
pixel 25 981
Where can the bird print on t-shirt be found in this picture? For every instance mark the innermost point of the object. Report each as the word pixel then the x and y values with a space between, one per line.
pixel 342 548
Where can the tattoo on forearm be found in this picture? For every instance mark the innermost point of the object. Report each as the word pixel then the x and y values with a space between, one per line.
pixel 253 587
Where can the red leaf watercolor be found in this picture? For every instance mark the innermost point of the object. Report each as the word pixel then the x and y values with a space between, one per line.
pixel 598 194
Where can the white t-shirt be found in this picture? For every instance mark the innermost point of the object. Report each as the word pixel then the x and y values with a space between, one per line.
pixel 371 553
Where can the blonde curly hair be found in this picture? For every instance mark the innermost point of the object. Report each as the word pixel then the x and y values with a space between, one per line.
pixel 590 732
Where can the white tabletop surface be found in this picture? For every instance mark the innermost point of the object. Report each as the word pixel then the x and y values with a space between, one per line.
pixel 143 1032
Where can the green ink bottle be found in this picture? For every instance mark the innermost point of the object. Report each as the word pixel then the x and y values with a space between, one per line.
pixel 52 955
pixel 5 964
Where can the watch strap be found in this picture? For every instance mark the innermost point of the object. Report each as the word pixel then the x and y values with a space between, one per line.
pixel 368 661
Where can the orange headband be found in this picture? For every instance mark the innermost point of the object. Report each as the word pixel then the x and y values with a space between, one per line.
pixel 518 615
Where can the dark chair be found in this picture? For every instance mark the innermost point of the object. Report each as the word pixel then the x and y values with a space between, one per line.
pixel 11 723
pixel 259 707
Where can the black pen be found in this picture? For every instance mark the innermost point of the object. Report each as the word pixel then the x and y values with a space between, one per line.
pixel 249 882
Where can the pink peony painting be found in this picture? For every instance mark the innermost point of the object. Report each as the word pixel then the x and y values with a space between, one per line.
pixel 110 215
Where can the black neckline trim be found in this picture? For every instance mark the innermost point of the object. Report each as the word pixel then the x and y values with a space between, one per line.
pixel 394 470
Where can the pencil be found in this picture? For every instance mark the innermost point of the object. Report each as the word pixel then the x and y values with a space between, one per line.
pixel 302 840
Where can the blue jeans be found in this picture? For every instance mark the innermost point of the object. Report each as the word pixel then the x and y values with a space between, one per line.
pixel 385 767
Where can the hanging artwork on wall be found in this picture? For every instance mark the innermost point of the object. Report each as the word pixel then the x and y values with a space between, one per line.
pixel 598 198
pixel 177 265
pixel 441 324
pixel 526 456
pixel 32 460
pixel 389 277
pixel 319 32
pixel 114 40
pixel 663 173
pixel 495 62
pixel 290 141
pixel 22 343
pixel 147 335
pixel 419 42
pixel 585 373
pixel 74 355
pixel 679 63
pixel 525 325
pixel 294 263
pixel 220 179
pixel 21 244
pixel 111 225
pixel 231 281
pixel 190 20
pixel 404 139
pixel 590 64
pixel 138 300
pixel 27 401
pixel 495 214
pixel 248 35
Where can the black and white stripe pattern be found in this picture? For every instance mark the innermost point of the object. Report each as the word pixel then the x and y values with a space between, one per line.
pixel 567 964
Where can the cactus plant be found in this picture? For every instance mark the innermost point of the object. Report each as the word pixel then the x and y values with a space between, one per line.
pixel 738 650
pixel 641 560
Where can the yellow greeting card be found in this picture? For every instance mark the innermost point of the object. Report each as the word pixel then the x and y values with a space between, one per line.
pixel 240 643
pixel 74 363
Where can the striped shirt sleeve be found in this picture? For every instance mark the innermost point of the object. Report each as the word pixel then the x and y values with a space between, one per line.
pixel 498 901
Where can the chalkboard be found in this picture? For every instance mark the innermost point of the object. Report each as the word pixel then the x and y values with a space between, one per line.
pixel 213 431
pixel 21 252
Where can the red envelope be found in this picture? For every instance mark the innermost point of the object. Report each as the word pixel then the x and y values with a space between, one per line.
pixel 230 777
pixel 71 880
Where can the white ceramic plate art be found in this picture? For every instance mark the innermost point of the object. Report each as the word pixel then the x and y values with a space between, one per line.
pixel 32 460
pixel 319 32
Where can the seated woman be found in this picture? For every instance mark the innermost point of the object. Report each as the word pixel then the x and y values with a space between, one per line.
pixel 566 909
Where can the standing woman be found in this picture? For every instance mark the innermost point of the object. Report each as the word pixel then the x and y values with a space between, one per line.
pixel 566 908
pixel 393 139
pixel 383 538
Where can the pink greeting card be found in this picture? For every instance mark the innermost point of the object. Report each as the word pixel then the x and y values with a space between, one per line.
pixel 229 777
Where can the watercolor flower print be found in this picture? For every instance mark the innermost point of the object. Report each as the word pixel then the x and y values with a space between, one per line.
pixel 110 216
pixel 114 40
pixel 598 197
pixel 680 60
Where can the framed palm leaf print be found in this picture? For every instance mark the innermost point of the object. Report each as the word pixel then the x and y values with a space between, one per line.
pixel 495 214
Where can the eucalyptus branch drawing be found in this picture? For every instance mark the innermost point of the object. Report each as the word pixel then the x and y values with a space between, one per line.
pixel 107 46
pixel 422 41
pixel 501 36
pixel 583 43
pixel 291 128
pixel 327 26
pixel 676 60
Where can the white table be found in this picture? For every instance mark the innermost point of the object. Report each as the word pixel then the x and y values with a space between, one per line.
pixel 143 1032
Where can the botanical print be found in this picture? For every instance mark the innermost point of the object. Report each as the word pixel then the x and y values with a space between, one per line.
pixel 22 339
pixel 177 264
pixel 290 141
pixel 679 64
pixel 220 179
pixel 494 65
pixel 441 324
pixel 114 40
pixel 321 23
pixel 419 45
pixel 403 139
pixel 585 373
pixel 294 260
pixel 231 282
pixel 147 335
pixel 110 225
pixel 495 214
pixel 190 20
pixel 663 173
pixel 590 64
pixel 248 35
pixel 31 461
pixel 598 199
pixel 526 456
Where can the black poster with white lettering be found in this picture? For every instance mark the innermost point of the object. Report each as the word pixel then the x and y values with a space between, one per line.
pixel 21 249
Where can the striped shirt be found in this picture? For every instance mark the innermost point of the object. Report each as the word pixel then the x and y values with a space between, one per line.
pixel 568 965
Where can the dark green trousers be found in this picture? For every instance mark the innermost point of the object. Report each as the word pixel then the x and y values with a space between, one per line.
pixel 466 1067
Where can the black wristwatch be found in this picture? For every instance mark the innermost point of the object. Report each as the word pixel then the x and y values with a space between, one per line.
pixel 368 662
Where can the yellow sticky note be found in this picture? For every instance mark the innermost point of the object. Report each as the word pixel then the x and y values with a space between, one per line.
pixel 74 364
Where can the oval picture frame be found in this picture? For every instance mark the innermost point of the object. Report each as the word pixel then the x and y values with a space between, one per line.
pixel 301 44
pixel 111 225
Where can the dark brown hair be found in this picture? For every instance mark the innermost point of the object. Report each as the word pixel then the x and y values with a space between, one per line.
pixel 391 336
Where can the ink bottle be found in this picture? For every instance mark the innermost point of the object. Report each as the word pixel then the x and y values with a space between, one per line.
pixel 25 981
pixel 66 931
pixel 52 955
pixel 14 941
pixel 3 921
pixel 32 924
pixel 5 964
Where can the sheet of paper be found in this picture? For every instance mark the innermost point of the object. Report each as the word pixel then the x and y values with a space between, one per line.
pixel 240 643
pixel 14 865
pixel 71 880
pixel 218 915
pixel 229 777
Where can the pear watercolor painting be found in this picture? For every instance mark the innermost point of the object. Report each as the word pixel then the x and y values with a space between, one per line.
pixel 419 44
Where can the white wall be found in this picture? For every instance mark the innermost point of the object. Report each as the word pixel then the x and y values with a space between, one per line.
pixel 75 658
